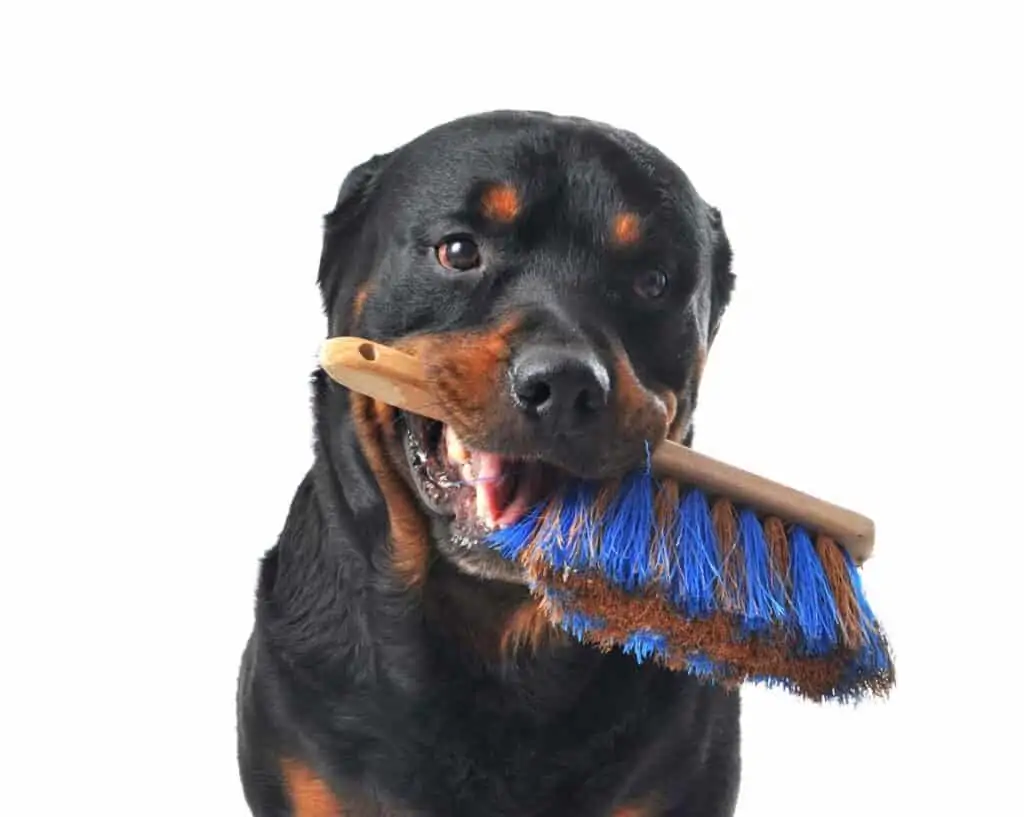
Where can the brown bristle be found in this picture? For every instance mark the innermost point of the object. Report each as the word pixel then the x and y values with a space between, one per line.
pixel 834 565
pixel 730 593
pixel 778 550
pixel 715 637
pixel 666 511
pixel 552 521
pixel 578 527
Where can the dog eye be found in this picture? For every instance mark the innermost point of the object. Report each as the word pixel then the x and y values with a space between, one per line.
pixel 458 253
pixel 650 284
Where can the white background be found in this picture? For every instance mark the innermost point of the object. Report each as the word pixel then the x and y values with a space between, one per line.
pixel 164 171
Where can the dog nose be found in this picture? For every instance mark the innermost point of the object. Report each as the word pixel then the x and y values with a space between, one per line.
pixel 560 387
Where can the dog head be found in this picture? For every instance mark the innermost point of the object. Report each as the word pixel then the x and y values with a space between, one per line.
pixel 561 281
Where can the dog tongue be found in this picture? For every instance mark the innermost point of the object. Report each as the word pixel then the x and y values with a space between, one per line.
pixel 485 472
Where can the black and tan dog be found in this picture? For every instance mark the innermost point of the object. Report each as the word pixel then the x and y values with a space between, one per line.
pixel 565 281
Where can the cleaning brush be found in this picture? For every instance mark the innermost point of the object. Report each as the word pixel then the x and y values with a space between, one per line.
pixel 687 561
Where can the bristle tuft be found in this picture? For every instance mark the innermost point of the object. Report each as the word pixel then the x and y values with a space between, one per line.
pixel 778 560
pixel 625 539
pixel 731 591
pixel 814 609
pixel 699 665
pixel 580 626
pixel 764 604
pixel 874 654
pixel 695 587
pixel 512 541
pixel 645 645
pixel 832 562
pixel 565 544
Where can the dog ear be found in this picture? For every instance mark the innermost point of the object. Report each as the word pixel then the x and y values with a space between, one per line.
pixel 722 277
pixel 343 254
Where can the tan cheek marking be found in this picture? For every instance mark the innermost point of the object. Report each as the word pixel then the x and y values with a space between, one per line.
pixel 309 795
pixel 626 229
pixel 699 362
pixel 465 369
pixel 634 404
pixel 671 405
pixel 528 628
pixel 359 301
pixel 410 541
pixel 680 422
pixel 632 811
pixel 501 203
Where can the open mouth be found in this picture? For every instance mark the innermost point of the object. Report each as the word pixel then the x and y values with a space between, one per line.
pixel 482 491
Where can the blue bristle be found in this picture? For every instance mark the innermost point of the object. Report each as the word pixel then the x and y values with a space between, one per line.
pixel 645 644
pixel 762 607
pixel 554 540
pixel 814 608
pixel 703 667
pixel 772 682
pixel 579 625
pixel 625 536
pixel 697 571
pixel 511 541
pixel 566 539
pixel 872 656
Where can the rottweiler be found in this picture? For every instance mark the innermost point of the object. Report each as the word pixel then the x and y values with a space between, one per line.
pixel 564 282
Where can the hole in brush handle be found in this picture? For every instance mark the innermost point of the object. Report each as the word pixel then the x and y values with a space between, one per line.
pixel 368 351
pixel 381 373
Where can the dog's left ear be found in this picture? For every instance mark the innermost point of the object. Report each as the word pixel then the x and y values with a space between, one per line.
pixel 344 257
pixel 722 277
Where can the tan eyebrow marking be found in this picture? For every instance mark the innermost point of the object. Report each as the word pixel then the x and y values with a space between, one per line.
pixel 500 202
pixel 626 229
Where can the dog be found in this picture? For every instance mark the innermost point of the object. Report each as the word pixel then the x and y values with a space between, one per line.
pixel 565 281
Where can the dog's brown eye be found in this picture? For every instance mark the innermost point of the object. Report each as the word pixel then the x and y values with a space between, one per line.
pixel 459 253
pixel 650 284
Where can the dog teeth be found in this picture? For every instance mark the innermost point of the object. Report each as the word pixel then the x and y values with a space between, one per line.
pixel 419 456
pixel 454 447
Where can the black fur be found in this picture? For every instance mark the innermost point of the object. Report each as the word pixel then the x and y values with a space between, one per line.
pixel 373 684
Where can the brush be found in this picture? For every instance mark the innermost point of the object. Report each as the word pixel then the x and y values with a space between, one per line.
pixel 687 561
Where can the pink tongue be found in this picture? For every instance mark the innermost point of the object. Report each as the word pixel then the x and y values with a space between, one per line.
pixel 485 472
pixel 487 469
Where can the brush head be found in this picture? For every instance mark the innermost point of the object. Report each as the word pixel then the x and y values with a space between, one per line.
pixel 667 574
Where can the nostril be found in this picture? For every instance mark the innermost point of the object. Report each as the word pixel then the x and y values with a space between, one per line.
pixel 588 402
pixel 533 393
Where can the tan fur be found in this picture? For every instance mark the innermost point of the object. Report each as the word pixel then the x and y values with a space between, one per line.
pixel 501 203
pixel 308 794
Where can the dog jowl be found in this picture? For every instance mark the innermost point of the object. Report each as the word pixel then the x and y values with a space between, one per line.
pixel 562 281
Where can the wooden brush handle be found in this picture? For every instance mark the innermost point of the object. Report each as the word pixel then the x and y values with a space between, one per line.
pixel 856 533
pixel 380 372
pixel 399 380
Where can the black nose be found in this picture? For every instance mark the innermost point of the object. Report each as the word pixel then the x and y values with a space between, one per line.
pixel 562 388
